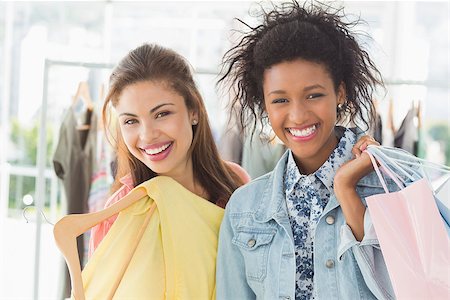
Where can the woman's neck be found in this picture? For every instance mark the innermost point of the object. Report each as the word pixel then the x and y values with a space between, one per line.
pixel 187 179
pixel 310 165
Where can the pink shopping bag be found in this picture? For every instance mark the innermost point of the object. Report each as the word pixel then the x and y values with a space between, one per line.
pixel 412 237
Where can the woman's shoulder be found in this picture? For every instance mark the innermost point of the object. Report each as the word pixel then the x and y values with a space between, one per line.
pixel 250 195
pixel 239 171
pixel 122 191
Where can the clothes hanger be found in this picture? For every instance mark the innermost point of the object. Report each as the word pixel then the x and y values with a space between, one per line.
pixel 40 210
pixel 391 117
pixel 71 226
pixel 83 94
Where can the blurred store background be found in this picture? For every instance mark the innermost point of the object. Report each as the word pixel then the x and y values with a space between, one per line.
pixel 48 48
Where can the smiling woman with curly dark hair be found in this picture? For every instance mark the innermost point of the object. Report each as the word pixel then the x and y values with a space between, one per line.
pixel 302 231
pixel 316 33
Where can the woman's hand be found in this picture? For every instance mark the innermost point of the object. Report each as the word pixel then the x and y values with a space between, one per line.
pixel 348 175
pixel 345 180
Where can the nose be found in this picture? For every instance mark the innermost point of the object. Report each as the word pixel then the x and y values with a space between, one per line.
pixel 148 131
pixel 298 112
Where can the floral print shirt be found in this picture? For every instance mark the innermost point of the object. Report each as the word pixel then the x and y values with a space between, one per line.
pixel 306 198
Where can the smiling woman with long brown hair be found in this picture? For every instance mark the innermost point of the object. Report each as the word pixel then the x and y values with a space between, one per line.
pixel 162 129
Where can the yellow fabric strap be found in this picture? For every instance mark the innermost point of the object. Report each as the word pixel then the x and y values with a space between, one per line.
pixel 174 258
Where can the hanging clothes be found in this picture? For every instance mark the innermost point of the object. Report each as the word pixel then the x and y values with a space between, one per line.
pixel 101 181
pixel 174 259
pixel 256 155
pixel 261 153
pixel 378 129
pixel 230 144
pixel 407 136
pixel 72 162
pixel 101 178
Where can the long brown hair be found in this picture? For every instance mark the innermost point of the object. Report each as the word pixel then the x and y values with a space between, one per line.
pixel 151 62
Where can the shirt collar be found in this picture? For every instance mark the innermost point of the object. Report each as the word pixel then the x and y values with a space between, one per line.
pixel 341 154
pixel 292 175
pixel 127 180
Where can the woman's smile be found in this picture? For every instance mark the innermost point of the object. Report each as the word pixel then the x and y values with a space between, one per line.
pixel 158 152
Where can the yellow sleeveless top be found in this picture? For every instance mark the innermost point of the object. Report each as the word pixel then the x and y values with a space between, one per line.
pixel 174 259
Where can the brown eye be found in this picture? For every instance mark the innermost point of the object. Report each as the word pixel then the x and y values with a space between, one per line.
pixel 314 96
pixel 130 122
pixel 279 100
pixel 162 114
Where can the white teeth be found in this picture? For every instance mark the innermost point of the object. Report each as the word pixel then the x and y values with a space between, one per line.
pixel 303 132
pixel 157 150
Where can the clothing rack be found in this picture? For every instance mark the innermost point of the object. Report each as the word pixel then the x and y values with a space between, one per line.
pixel 442 84
pixel 42 154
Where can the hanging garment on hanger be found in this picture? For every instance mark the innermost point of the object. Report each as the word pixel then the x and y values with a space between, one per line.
pixel 83 94
pixel 261 156
pixel 100 185
pixel 407 136
pixel 72 162
pixel 101 178
pixel 378 129
pixel 231 144
pixel 173 257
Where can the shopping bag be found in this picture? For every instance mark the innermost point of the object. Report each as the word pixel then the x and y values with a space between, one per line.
pixel 414 168
pixel 411 233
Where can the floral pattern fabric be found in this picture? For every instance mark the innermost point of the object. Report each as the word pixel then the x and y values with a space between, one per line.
pixel 306 198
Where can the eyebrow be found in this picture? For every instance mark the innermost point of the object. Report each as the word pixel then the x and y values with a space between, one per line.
pixel 306 89
pixel 315 86
pixel 151 111
pixel 159 106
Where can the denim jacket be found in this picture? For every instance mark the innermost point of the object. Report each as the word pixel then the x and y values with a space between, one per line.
pixel 256 257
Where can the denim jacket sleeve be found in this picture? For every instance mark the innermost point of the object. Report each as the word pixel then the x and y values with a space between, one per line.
pixel 231 282
pixel 348 240
pixel 369 258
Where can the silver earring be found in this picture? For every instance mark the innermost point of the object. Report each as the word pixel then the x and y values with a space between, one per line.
pixel 194 122
pixel 340 107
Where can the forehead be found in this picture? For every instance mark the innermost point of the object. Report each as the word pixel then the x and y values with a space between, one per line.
pixel 295 72
pixel 147 94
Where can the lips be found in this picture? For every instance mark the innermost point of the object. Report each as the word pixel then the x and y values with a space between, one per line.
pixel 154 151
pixel 158 152
pixel 305 133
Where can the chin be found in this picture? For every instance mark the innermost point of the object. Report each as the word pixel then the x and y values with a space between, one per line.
pixel 303 154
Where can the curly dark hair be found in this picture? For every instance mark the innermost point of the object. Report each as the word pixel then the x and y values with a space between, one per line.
pixel 313 32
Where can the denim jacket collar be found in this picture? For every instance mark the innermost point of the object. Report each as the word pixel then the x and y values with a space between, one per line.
pixel 272 205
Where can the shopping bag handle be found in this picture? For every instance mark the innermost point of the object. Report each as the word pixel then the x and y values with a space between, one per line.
pixel 402 162
pixel 422 163
pixel 387 166
pixel 385 169
pixel 414 160
pixel 388 162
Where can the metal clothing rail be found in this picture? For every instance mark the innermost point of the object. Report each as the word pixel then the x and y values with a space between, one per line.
pixel 42 154
pixel 428 83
